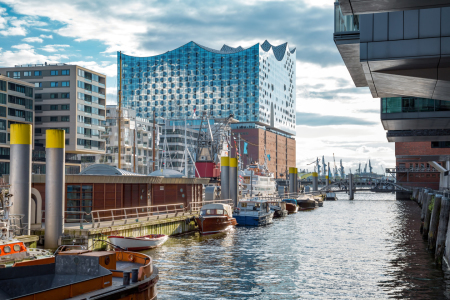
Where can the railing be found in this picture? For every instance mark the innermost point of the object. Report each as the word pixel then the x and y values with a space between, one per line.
pixel 411 170
pixel 136 213
pixel 80 219
pixel 196 206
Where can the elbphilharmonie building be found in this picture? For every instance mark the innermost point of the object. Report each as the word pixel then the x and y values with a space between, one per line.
pixel 255 84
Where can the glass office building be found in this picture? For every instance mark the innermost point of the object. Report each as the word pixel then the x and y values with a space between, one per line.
pixel 256 84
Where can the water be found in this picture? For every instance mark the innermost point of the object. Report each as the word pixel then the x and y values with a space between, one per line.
pixel 369 248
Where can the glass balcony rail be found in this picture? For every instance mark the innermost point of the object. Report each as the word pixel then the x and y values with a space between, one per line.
pixel 412 104
pixel 344 23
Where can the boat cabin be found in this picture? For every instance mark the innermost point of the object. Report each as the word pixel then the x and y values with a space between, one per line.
pixel 216 209
pixel 253 205
pixel 292 201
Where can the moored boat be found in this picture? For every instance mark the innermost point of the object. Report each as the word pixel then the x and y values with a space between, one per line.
pixel 138 243
pixel 330 196
pixel 291 205
pixel 279 209
pixel 307 202
pixel 215 218
pixel 253 212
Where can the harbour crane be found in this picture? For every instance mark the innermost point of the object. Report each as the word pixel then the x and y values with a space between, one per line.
pixel 318 166
pixel 342 171
pixel 324 167
pixel 370 167
pixel 365 169
pixel 335 168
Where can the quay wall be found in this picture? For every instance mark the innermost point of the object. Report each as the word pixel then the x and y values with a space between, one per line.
pixel 95 238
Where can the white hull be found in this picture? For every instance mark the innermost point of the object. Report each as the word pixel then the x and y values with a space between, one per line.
pixel 139 243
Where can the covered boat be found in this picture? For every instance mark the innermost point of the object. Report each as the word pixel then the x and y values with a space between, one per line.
pixel 279 209
pixel 291 205
pixel 253 212
pixel 138 243
pixel 215 218
pixel 330 196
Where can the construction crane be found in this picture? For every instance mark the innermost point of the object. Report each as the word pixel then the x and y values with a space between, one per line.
pixel 370 167
pixel 318 166
pixel 342 171
pixel 335 168
pixel 324 167
pixel 359 169
pixel 365 169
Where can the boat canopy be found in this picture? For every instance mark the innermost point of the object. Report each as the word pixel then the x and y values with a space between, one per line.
pixel 293 201
pixel 225 207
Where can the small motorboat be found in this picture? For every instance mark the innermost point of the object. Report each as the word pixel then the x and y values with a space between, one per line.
pixel 253 212
pixel 215 218
pixel 279 209
pixel 138 243
pixel 291 205
pixel 319 200
pixel 330 196
pixel 307 202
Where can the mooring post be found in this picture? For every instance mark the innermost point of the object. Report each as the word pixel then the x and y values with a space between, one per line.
pixel 350 187
pixel 442 230
pixel 419 198
pixel 426 222
pixel 434 222
pixel 423 212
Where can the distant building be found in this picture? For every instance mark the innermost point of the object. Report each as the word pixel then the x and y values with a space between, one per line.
pixel 16 106
pixel 136 141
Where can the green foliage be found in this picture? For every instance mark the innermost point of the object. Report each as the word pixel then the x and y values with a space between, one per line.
pixel 431 206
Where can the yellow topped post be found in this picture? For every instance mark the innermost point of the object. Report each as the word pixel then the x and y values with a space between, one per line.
pixel 21 139
pixel 291 170
pixel 234 186
pixel 233 162
pixel 224 161
pixel 225 177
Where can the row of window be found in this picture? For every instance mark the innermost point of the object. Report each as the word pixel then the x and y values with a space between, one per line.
pixel 90 144
pixel 38 73
pixel 28 91
pixel 88 87
pixel 28 103
pixel 88 120
pixel 27 115
pixel 89 98
pixel 88 131
pixel 55 96
pixel 55 119
pixel 88 109
pixel 41 130
pixel 54 107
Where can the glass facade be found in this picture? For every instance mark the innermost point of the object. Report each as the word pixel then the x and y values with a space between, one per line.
pixel 256 84
pixel 344 23
pixel 412 104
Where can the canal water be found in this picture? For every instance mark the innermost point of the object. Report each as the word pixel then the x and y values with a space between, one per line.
pixel 369 248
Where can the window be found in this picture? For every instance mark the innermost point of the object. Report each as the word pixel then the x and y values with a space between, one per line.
pixel 38 84
pixel 27 73
pixel 37 73
pixel 53 96
pixel 53 107
pixel 65 107
pixel 53 119
pixel 54 84
pixel 65 95
pixel 65 72
pixel 2 85
pixel 65 83
pixel 2 124
pixel 38 107
pixel 3 137
pixel 38 119
pixel 65 119
pixel 81 96
pixel 54 72
pixel 16 75
pixel 2 98
pixel 38 96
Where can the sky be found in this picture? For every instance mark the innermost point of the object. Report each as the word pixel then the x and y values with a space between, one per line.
pixel 332 115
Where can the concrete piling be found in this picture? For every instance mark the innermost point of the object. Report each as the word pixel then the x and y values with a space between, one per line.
pixel 442 229
pixel 315 182
pixel 426 222
pixel 234 180
pixel 225 177
pixel 291 180
pixel 350 187
pixel 434 221
pixel 54 187
pixel 424 197
pixel 20 178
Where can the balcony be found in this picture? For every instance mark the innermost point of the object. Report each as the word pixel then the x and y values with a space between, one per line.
pixel 411 170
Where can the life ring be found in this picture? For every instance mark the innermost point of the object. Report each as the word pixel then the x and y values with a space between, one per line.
pixel 130 257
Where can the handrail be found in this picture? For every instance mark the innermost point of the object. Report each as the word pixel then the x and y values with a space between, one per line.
pixel 81 220
pixel 128 213
pixel 196 206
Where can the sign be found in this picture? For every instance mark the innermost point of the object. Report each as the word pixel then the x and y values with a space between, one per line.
pixel 245 148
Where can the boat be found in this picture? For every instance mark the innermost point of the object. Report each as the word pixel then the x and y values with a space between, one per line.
pixel 330 196
pixel 215 218
pixel 279 209
pixel 319 200
pixel 253 212
pixel 307 202
pixel 257 181
pixel 82 274
pixel 138 243
pixel 291 205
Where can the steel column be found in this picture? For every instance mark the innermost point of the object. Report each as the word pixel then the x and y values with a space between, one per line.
pixel 225 177
pixel 315 181
pixel 54 187
pixel 291 180
pixel 234 181
pixel 20 176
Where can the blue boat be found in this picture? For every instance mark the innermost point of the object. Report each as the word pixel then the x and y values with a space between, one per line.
pixel 253 212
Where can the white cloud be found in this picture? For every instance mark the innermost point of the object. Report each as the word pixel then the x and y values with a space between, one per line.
pixel 33 40
pixel 25 56
pixel 22 47
pixel 46 36
pixel 13 26
pixel 54 48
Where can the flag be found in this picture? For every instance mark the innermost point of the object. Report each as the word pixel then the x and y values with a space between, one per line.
pixel 245 148
pixel 268 156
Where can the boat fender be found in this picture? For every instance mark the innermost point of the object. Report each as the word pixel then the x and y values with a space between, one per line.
pixel 130 257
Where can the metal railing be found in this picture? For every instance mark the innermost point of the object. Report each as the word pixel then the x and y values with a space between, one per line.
pixel 411 170
pixel 136 213
pixel 81 218
pixel 196 206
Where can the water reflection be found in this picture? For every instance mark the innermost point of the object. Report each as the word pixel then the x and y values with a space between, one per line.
pixel 368 248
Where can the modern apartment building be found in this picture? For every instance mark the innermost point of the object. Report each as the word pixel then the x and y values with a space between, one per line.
pixel 68 97
pixel 256 84
pixel 16 106
pixel 136 141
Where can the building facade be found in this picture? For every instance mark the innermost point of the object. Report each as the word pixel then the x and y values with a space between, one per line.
pixel 136 141
pixel 68 97
pixel 256 84
pixel 16 106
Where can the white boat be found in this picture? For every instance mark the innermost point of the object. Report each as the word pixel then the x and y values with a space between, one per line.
pixel 138 243
pixel 257 181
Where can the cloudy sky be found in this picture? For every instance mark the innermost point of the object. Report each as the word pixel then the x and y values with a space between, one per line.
pixel 333 115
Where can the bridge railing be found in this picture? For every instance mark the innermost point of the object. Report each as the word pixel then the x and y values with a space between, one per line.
pixel 411 170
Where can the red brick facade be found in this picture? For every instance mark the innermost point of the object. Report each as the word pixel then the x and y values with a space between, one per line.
pixel 280 148
pixel 418 179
